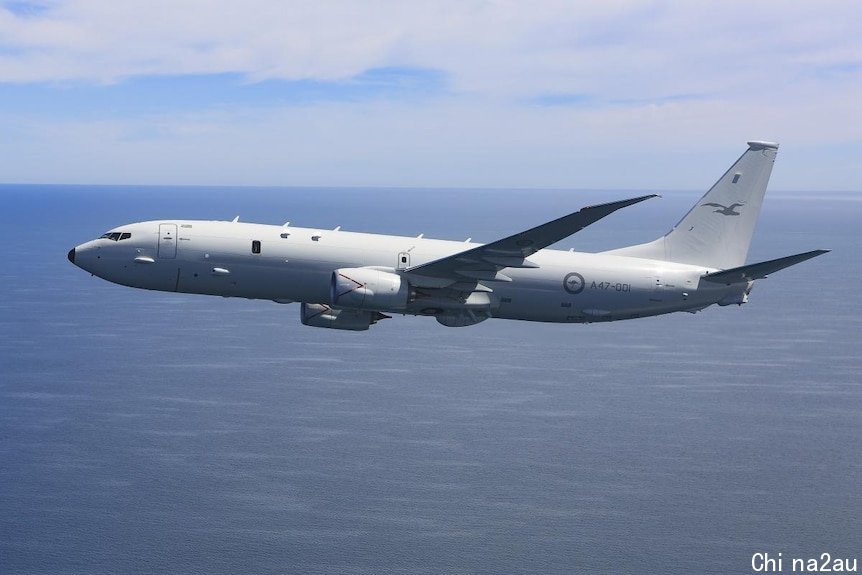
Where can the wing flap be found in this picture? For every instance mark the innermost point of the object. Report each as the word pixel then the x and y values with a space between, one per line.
pixel 759 270
pixel 484 275
pixel 509 262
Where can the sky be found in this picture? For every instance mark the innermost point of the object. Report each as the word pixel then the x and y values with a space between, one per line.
pixel 615 94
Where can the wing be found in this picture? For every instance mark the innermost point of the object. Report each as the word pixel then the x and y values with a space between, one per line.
pixel 485 262
pixel 759 270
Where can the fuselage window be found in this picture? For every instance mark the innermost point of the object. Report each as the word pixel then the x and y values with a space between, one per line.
pixel 255 247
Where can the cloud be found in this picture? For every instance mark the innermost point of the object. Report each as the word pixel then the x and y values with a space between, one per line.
pixel 605 49
pixel 447 143
pixel 549 93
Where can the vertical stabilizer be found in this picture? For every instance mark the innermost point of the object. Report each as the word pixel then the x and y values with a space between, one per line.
pixel 717 231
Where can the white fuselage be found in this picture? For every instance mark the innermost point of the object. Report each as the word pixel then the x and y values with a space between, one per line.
pixel 290 264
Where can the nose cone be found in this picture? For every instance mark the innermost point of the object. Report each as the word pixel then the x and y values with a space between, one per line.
pixel 71 255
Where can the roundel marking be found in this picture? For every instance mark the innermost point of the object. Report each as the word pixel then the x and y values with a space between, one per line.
pixel 574 283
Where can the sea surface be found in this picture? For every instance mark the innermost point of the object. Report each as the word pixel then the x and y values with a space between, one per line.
pixel 147 432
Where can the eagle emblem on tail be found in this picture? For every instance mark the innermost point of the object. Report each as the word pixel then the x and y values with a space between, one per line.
pixel 725 210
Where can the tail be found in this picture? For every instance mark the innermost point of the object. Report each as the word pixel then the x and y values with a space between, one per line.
pixel 717 231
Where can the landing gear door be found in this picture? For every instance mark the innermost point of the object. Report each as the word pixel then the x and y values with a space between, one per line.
pixel 167 241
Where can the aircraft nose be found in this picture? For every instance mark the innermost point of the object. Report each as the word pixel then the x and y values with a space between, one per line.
pixel 71 255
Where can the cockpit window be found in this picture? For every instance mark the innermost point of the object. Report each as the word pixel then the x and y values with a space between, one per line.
pixel 116 236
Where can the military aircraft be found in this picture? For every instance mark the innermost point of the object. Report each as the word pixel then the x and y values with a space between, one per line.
pixel 350 281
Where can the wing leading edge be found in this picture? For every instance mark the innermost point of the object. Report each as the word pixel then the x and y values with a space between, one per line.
pixel 485 262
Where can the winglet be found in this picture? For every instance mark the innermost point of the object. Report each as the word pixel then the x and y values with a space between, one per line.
pixel 614 206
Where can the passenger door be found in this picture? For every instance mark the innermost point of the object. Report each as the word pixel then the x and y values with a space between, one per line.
pixel 167 241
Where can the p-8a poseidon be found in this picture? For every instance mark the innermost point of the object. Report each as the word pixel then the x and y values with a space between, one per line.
pixel 346 280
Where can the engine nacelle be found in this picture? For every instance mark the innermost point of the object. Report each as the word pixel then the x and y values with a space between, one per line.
pixel 368 288
pixel 321 315
pixel 462 318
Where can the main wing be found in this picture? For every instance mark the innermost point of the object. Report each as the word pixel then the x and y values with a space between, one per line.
pixel 485 262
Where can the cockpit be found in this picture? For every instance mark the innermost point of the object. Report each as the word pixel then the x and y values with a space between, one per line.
pixel 115 236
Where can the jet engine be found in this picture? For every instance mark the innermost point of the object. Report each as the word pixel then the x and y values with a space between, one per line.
pixel 369 288
pixel 321 315
pixel 462 318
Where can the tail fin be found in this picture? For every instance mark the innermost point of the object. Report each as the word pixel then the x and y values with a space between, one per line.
pixel 717 231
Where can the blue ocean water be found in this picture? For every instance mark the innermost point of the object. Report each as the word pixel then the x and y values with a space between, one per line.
pixel 145 432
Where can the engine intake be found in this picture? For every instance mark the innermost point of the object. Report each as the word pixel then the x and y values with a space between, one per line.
pixel 369 288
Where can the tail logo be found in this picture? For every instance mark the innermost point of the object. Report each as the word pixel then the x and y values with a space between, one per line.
pixel 725 210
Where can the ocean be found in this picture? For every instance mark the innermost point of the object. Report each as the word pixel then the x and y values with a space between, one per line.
pixel 148 432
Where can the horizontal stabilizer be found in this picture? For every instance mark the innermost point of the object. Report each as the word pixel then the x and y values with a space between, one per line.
pixel 759 270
